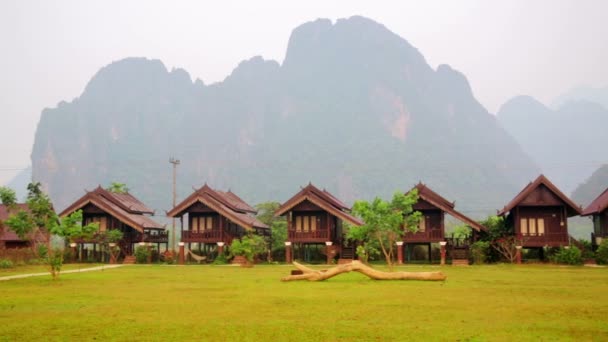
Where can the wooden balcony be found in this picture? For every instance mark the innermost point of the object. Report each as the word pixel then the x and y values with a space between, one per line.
pixel 207 236
pixel 320 235
pixel 547 239
pixel 431 235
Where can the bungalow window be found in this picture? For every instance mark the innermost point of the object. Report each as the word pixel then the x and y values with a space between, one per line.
pixel 102 221
pixel 306 223
pixel 200 223
pixel 422 224
pixel 194 224
pixel 532 226
pixel 540 226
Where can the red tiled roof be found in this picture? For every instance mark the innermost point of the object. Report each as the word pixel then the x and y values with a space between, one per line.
pixel 425 193
pixel 127 201
pixel 528 189
pixel 598 205
pixel 227 204
pixel 321 198
pixel 7 234
pixel 234 201
pixel 125 207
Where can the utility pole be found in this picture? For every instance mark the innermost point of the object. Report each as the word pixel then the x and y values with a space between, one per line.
pixel 175 162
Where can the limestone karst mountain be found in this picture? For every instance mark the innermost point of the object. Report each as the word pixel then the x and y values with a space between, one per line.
pixel 353 107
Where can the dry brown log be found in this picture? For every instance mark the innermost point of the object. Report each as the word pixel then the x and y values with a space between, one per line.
pixel 357 266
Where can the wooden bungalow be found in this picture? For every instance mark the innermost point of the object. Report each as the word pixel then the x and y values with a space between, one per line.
pixel 9 239
pixel 598 210
pixel 539 215
pixel 120 211
pixel 216 218
pixel 314 218
pixel 431 228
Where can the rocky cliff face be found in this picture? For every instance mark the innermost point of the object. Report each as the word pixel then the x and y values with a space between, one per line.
pixel 354 108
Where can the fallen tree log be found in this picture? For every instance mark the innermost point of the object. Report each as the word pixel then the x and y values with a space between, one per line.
pixel 357 266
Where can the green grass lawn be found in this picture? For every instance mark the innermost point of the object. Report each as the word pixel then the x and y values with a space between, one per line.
pixel 220 303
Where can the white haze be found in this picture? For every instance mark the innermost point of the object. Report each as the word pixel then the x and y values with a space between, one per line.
pixel 50 49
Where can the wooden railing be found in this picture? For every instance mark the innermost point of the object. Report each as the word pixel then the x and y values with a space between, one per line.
pixel 547 239
pixel 207 236
pixel 320 235
pixel 431 235
pixel 159 237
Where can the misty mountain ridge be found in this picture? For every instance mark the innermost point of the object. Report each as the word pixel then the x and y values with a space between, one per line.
pixel 584 93
pixel 592 187
pixel 353 108
pixel 567 143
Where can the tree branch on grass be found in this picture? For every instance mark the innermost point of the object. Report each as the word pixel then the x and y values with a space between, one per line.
pixel 357 266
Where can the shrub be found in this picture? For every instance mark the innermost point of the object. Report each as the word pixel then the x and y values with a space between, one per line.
pixel 55 262
pixel 220 260
pixel 43 251
pixel 168 257
pixel 601 255
pixel 587 249
pixel 568 256
pixel 141 254
pixel 5 263
pixel 479 251
pixel 248 246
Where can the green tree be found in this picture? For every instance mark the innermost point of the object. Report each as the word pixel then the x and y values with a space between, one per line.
pixel 501 237
pixel 37 219
pixel 72 229
pixel 278 226
pixel 8 197
pixel 118 188
pixel 385 222
pixel 40 218
pixel 69 228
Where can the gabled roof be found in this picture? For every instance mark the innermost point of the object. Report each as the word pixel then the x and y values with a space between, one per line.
pixel 425 193
pixel 321 198
pixel 7 234
pixel 573 209
pixel 125 207
pixel 227 204
pixel 598 205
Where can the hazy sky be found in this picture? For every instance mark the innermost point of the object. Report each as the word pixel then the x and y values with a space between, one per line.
pixel 50 49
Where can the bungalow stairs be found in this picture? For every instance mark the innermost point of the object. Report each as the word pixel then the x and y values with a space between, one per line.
pixel 460 257
pixel 129 260
pixel 576 243
pixel 347 255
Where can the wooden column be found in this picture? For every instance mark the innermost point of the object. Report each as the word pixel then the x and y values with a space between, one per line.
pixel 328 251
pixel 181 253
pixel 149 249
pixel 518 254
pixel 220 248
pixel 112 247
pixel 288 254
pixel 443 252
pixel 399 252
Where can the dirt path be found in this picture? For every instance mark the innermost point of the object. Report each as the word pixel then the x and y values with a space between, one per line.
pixel 97 268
